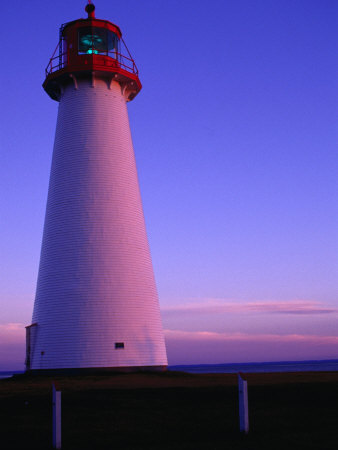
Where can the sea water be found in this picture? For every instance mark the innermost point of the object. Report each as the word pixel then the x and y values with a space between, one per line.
pixel 261 367
pixel 9 373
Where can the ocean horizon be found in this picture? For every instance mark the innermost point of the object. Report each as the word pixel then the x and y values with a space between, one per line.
pixel 328 365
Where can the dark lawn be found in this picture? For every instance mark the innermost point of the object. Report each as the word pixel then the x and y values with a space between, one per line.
pixel 172 411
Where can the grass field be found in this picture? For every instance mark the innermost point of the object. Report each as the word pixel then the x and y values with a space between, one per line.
pixel 172 410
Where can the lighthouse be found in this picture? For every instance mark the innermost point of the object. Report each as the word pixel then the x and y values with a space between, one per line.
pixel 96 306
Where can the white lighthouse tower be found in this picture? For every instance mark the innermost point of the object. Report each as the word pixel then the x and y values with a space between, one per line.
pixel 96 305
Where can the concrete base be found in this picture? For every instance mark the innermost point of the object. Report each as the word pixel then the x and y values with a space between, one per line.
pixel 95 370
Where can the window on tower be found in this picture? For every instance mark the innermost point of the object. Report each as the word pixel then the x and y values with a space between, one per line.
pixel 98 41
pixel 119 344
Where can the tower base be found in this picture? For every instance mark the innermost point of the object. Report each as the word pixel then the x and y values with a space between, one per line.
pixel 95 370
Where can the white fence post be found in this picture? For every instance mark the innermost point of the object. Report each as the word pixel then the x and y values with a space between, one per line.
pixel 56 418
pixel 243 404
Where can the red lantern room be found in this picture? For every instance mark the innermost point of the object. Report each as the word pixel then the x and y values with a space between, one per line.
pixel 90 48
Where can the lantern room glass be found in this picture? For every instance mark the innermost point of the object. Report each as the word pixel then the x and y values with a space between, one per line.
pixel 98 41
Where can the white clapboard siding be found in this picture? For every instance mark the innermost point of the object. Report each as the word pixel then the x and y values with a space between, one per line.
pixel 95 285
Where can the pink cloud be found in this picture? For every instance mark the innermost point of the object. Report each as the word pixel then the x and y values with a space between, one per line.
pixel 198 347
pixel 12 333
pixel 225 337
pixel 218 306
pixel 12 346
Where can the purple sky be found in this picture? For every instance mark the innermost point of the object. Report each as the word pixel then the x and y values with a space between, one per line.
pixel 235 134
